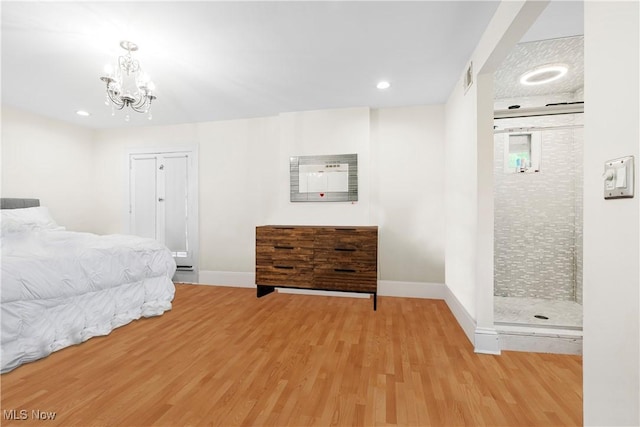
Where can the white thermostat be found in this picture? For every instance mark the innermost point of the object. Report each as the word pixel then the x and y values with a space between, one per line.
pixel 618 178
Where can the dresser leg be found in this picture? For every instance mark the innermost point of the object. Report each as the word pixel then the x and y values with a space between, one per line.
pixel 265 290
pixel 375 301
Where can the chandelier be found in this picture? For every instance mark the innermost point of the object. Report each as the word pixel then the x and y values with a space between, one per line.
pixel 128 85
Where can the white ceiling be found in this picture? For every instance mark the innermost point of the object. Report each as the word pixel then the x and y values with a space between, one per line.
pixel 226 60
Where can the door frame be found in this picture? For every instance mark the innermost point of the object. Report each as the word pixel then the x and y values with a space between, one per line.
pixel 194 219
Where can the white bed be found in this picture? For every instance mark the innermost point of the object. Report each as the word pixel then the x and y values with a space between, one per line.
pixel 61 288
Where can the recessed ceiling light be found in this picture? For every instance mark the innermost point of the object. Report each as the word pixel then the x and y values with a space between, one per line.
pixel 544 74
pixel 383 85
pixel 83 113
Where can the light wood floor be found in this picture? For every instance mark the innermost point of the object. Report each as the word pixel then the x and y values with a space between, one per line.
pixel 224 357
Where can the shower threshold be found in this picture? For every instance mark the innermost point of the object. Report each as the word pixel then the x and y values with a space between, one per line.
pixel 537 326
pixel 537 313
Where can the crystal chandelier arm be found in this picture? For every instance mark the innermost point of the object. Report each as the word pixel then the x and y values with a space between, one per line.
pixel 116 100
pixel 143 104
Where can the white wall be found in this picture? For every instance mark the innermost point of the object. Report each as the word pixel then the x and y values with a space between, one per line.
pixel 407 171
pixel 611 227
pixel 244 182
pixel 343 131
pixel 244 179
pixel 111 165
pixel 461 202
pixel 469 165
pixel 51 161
pixel 236 181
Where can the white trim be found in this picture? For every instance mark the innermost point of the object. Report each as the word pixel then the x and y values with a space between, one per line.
pixel 466 322
pixel 486 341
pixel 227 278
pixel 162 150
pixel 540 340
pixel 389 288
pixel 186 277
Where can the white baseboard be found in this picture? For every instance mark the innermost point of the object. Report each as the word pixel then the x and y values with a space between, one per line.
pixel 386 288
pixel 227 278
pixel 466 322
pixel 186 277
pixel 486 341
pixel 389 288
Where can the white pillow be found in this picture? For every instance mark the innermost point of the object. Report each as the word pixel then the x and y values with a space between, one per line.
pixel 27 219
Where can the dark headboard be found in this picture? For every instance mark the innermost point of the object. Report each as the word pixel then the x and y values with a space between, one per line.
pixel 18 203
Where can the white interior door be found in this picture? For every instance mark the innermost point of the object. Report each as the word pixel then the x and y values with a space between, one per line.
pixel 163 203
pixel 143 196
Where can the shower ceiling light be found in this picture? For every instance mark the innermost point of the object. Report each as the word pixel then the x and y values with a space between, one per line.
pixel 544 74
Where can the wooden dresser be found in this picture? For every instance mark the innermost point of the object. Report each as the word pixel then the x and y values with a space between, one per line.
pixel 317 257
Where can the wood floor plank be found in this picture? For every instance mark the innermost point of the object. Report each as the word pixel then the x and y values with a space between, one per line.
pixel 222 357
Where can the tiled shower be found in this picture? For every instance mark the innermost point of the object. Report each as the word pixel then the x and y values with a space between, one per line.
pixel 538 218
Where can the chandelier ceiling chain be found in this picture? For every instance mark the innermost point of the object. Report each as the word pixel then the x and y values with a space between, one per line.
pixel 128 85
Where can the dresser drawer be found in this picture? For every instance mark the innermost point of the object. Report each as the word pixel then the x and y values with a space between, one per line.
pixel 279 253
pixel 343 254
pixel 284 274
pixel 299 237
pixel 347 238
pixel 361 278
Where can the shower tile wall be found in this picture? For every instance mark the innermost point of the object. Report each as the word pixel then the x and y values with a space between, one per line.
pixel 579 138
pixel 538 216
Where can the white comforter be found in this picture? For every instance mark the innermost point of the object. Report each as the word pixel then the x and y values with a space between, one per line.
pixel 61 288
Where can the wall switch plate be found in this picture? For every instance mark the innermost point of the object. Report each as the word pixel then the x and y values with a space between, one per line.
pixel 618 178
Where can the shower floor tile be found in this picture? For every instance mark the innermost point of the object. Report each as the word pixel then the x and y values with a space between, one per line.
pixel 521 311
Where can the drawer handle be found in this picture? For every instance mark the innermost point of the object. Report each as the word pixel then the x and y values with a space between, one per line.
pixel 344 270
pixel 283 247
pixel 345 249
pixel 283 267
